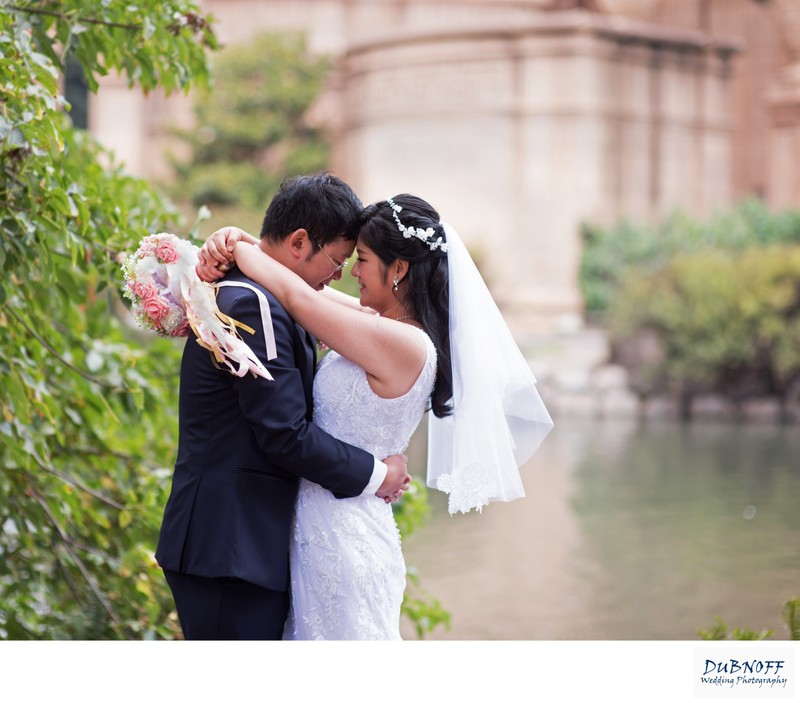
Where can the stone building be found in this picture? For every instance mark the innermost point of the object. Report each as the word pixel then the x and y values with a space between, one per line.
pixel 519 119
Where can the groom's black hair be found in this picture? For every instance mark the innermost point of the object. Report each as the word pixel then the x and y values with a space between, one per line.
pixel 322 204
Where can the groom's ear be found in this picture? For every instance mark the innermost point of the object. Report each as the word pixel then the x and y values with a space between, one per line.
pixel 299 244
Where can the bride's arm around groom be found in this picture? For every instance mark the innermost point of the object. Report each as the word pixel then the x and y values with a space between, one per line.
pixel 244 442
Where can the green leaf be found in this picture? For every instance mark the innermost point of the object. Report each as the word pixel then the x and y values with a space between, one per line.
pixel 74 440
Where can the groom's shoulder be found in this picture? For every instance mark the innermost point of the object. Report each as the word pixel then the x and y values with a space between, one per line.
pixel 236 288
pixel 236 285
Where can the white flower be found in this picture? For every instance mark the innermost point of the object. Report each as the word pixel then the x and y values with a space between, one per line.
pixel 173 319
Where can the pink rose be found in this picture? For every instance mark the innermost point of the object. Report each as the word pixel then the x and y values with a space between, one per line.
pixel 145 291
pixel 181 331
pixel 166 252
pixel 146 247
pixel 156 308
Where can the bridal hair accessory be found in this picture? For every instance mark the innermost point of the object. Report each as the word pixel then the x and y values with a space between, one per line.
pixel 425 235
pixel 168 298
pixel 498 419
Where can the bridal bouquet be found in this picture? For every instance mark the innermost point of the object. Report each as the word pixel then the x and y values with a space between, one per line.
pixel 155 294
pixel 169 298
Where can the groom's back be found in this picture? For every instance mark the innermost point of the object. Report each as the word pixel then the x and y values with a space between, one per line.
pixel 229 509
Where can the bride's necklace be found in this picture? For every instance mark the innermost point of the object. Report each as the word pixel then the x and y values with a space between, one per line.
pixel 396 319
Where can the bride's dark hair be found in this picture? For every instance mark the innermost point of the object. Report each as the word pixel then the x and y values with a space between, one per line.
pixel 428 299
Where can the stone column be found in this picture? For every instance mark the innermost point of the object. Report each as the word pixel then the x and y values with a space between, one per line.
pixel 634 9
pixel 136 128
pixel 784 109
pixel 520 132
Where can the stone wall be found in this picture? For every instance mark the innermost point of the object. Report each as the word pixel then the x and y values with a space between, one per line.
pixel 577 380
pixel 520 122
pixel 518 134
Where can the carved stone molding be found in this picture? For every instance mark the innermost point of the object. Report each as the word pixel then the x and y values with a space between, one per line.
pixel 635 9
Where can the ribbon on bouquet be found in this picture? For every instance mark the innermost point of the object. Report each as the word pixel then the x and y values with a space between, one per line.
pixel 217 331
pixel 168 298
pixel 266 317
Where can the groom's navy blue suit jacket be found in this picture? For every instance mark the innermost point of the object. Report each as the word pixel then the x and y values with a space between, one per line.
pixel 243 444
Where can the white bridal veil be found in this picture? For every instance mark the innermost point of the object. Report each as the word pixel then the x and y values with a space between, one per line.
pixel 499 419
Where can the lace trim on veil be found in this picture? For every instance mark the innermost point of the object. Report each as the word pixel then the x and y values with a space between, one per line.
pixel 469 487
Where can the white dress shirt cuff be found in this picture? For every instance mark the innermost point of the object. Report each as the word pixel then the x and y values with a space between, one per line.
pixel 378 475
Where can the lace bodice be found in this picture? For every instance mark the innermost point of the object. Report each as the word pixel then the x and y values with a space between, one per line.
pixel 346 407
pixel 347 568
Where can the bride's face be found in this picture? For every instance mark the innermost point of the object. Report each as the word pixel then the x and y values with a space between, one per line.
pixel 375 288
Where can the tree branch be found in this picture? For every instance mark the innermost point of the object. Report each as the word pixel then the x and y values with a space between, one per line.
pixel 60 358
pixel 78 562
pixel 62 16
pixel 195 22
pixel 93 550
pixel 105 450
pixel 76 482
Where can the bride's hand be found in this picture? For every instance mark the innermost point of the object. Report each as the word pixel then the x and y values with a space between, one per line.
pixel 215 257
pixel 209 274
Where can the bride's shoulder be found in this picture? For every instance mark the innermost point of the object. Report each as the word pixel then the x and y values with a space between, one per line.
pixel 430 347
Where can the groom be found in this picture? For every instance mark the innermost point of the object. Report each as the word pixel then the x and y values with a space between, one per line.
pixel 245 442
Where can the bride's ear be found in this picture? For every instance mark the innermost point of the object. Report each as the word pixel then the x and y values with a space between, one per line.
pixel 400 269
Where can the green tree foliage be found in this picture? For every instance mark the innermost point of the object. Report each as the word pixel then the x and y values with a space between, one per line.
pixel 87 418
pixel 611 254
pixel 700 305
pixel 252 130
pixel 791 617
pixel 725 322
pixel 719 631
pixel 88 406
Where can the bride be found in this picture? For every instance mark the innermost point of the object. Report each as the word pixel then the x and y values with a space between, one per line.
pixel 431 339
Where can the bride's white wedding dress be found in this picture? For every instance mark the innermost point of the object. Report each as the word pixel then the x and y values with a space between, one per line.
pixel 346 563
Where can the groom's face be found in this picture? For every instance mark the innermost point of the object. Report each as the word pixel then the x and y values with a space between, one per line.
pixel 324 264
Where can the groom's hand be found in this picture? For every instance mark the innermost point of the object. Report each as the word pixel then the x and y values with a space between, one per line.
pixel 397 479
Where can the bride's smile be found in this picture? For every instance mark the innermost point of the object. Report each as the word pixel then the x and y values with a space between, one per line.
pixel 375 289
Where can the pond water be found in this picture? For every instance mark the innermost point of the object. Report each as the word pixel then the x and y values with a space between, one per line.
pixel 628 531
